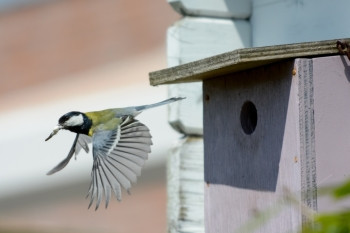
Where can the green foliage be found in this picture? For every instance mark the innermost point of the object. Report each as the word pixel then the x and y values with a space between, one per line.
pixel 342 191
pixel 330 223
pixel 338 222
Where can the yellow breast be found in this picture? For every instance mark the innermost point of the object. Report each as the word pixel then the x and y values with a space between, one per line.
pixel 103 120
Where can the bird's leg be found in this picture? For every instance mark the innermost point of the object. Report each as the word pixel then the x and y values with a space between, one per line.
pixel 343 48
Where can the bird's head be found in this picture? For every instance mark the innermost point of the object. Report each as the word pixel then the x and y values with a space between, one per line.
pixel 73 121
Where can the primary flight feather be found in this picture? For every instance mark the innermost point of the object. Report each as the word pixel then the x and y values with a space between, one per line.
pixel 120 147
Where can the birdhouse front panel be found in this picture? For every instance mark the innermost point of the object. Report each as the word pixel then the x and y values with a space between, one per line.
pixel 273 137
pixel 253 156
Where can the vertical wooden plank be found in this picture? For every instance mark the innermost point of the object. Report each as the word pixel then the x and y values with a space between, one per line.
pixel 332 127
pixel 185 187
pixel 307 134
pixel 247 174
pixel 186 116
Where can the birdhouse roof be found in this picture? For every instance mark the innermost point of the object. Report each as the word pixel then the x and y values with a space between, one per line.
pixel 239 60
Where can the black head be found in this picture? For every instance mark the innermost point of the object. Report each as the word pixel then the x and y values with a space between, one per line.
pixel 71 119
pixel 76 122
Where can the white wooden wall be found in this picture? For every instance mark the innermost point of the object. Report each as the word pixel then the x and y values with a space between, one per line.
pixel 291 21
pixel 207 28
pixel 211 27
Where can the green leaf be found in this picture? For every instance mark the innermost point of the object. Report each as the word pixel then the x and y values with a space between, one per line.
pixel 330 223
pixel 342 191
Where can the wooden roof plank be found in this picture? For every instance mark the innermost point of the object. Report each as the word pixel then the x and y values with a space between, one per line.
pixel 241 59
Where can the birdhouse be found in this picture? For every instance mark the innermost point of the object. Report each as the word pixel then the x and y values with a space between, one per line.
pixel 276 129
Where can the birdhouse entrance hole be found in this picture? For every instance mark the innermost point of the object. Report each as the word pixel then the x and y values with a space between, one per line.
pixel 249 117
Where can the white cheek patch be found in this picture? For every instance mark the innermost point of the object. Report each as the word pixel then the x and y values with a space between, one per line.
pixel 75 121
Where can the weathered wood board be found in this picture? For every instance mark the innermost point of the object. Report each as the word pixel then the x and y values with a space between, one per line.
pixel 187 116
pixel 240 59
pixel 218 8
pixel 186 187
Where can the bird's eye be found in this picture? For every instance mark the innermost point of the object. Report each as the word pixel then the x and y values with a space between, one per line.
pixel 63 119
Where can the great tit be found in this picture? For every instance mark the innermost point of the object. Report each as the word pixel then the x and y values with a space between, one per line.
pixel 120 147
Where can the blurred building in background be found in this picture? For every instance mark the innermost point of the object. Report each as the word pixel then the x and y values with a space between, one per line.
pixel 62 55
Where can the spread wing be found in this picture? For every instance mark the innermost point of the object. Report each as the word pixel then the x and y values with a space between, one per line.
pixel 118 155
pixel 80 141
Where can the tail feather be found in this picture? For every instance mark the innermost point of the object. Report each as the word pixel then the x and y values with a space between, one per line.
pixel 168 101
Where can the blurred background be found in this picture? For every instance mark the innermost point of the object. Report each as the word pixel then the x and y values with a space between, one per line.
pixel 62 55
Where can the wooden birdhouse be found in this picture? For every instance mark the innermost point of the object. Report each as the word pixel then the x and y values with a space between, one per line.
pixel 276 129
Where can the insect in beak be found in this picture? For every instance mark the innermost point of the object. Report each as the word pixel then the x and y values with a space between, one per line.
pixel 55 131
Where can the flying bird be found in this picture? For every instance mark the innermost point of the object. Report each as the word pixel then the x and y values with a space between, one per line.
pixel 120 147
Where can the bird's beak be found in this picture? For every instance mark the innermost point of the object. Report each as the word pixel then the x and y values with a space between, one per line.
pixel 54 131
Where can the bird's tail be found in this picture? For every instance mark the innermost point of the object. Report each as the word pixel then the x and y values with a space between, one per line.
pixel 168 101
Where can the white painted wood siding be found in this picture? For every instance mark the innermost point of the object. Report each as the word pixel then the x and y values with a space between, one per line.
pixel 291 21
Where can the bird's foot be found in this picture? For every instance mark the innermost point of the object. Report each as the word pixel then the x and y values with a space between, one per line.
pixel 343 48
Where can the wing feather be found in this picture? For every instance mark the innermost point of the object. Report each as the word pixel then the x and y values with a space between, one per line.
pixel 129 174
pixel 129 164
pixel 119 155
pixel 99 187
pixel 133 158
pixel 118 176
pixel 80 141
pixel 143 140
pixel 83 142
pixel 133 151
pixel 135 134
pixel 135 127
pixel 93 186
pixel 107 178
pixel 133 145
